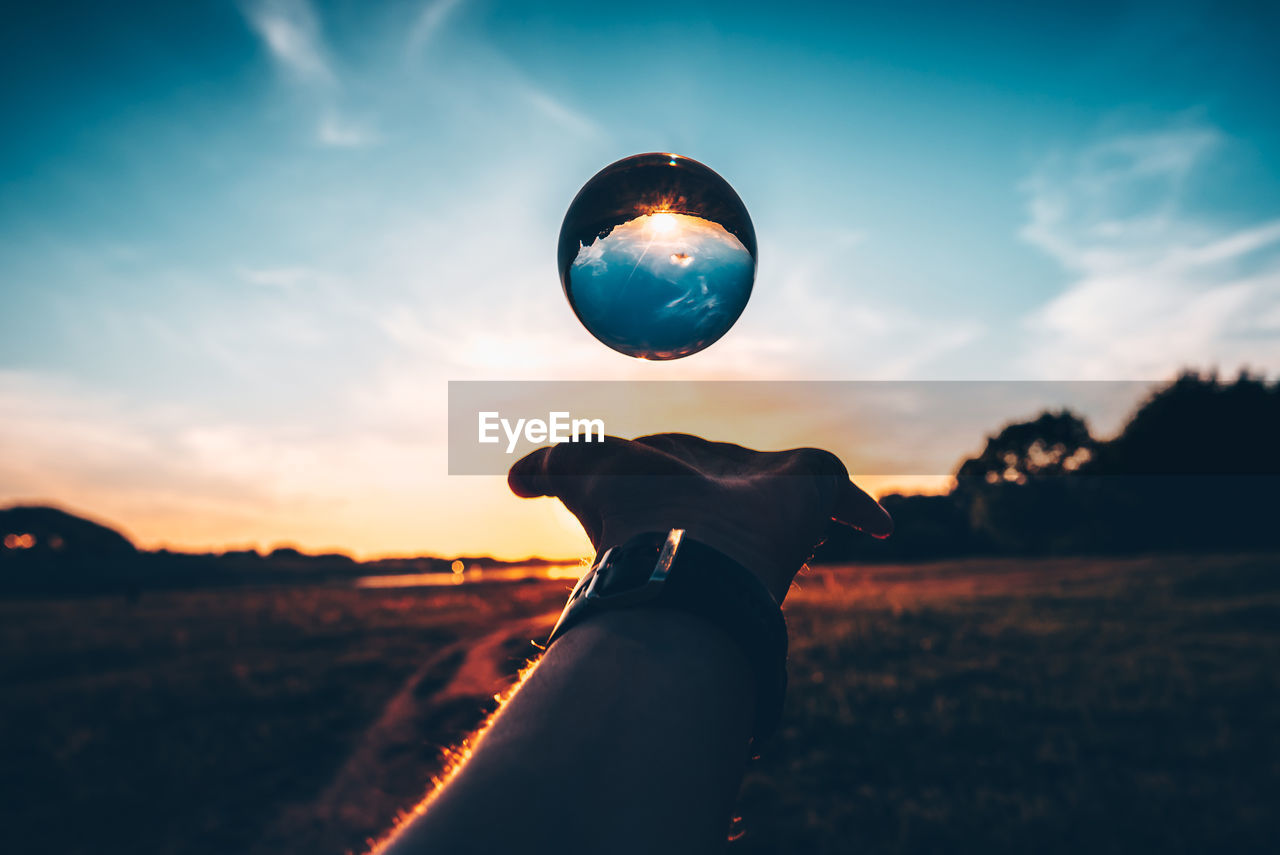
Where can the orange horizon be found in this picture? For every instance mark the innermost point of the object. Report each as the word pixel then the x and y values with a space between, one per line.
pixel 518 530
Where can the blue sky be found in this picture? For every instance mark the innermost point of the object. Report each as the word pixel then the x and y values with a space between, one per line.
pixel 244 246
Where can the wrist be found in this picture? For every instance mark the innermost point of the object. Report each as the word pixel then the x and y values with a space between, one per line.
pixel 762 555
pixel 670 570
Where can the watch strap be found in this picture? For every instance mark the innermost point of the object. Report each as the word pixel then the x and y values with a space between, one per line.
pixel 672 570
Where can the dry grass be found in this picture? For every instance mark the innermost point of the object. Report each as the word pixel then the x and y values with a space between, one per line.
pixel 995 706
pixel 1048 706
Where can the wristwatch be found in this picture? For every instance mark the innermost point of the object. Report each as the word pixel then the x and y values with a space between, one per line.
pixel 669 569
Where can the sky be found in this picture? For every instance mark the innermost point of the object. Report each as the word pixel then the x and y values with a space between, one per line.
pixel 244 247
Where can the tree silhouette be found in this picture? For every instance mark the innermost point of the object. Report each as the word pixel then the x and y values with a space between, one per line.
pixel 1198 425
pixel 1193 468
pixel 1053 444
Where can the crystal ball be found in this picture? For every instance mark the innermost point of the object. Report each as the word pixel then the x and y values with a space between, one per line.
pixel 657 256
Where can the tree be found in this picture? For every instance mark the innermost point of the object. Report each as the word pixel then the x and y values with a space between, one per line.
pixel 1051 445
pixel 1198 425
pixel 1195 467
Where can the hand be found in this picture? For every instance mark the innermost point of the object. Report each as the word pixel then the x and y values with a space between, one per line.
pixel 767 510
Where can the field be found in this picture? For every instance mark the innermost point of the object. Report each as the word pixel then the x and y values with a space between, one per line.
pixel 1102 705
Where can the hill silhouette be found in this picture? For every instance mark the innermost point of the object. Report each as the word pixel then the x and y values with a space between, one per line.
pixel 48 551
pixel 33 531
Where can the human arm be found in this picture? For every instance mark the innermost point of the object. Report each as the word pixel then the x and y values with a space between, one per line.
pixel 630 734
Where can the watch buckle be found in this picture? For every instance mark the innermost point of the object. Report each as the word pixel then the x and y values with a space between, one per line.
pixel 647 591
pixel 588 590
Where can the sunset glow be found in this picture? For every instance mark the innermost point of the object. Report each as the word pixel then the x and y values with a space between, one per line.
pixel 357 360
pixel 269 366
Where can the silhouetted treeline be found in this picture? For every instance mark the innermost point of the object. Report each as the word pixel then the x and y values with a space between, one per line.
pixel 1197 467
pixel 49 551
pixel 45 550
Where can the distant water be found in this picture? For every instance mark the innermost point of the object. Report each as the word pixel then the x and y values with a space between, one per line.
pixel 517 573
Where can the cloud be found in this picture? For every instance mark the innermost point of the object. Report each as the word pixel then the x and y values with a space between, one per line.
pixel 284 278
pixel 823 328
pixel 290 30
pixel 182 476
pixel 1157 286
pixel 429 22
pixel 477 77
pixel 341 132
pixel 567 118
pixel 291 33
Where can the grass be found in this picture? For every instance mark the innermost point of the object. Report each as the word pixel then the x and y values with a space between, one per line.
pixel 1005 706
pixel 994 706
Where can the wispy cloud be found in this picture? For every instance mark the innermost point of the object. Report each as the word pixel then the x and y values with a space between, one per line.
pixel 284 278
pixel 291 33
pixel 428 22
pixel 1157 285
pixel 566 117
pixel 804 284
pixel 340 131
pixel 179 477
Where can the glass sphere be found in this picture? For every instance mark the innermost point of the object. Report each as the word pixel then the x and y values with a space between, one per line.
pixel 657 256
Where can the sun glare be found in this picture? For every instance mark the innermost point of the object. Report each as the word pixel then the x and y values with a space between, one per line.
pixel 662 223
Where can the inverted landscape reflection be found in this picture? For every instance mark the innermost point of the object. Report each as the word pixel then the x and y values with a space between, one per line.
pixel 662 285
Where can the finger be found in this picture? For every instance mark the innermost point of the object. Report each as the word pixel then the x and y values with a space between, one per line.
pixel 559 470
pixel 857 509
pixel 527 476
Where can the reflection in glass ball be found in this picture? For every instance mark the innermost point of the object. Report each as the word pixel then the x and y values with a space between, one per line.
pixel 657 256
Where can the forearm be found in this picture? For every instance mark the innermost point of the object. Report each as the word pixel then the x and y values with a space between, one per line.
pixel 629 736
